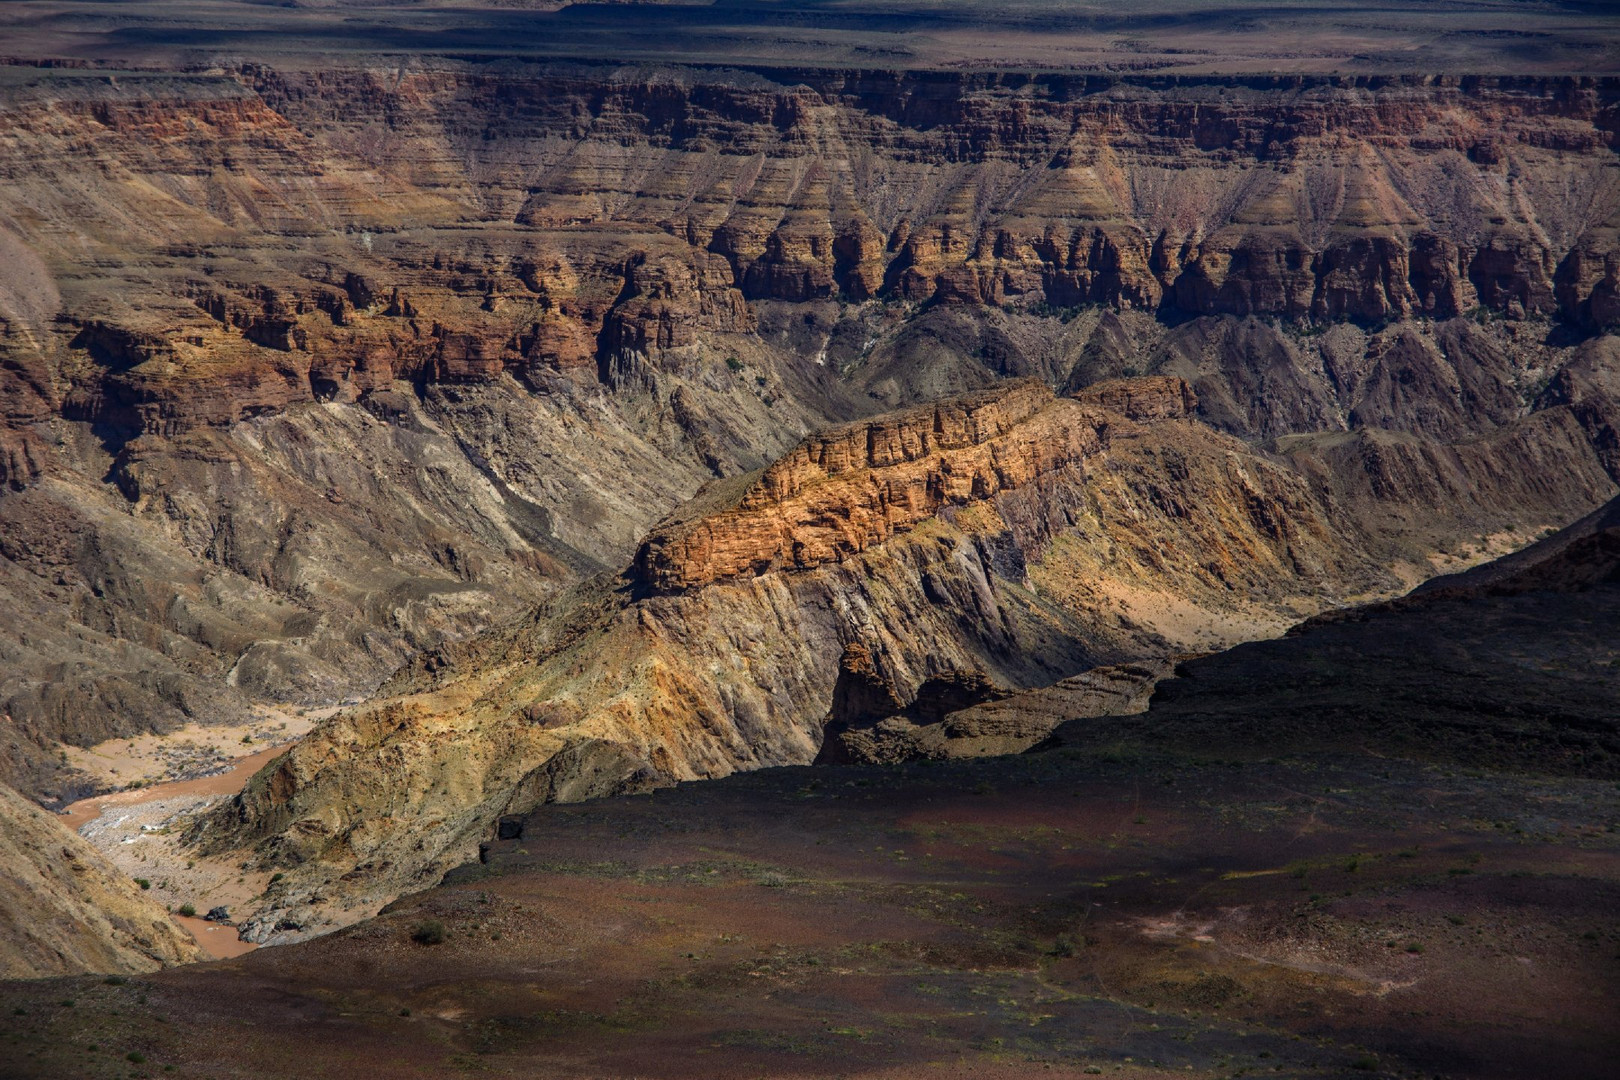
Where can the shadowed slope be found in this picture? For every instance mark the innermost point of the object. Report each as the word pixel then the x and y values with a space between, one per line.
pixel 1512 665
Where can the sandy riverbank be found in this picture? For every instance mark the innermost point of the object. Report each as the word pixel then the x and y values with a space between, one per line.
pixel 139 829
pixel 229 782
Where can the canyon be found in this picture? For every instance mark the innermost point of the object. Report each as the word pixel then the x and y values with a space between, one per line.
pixel 369 362
pixel 497 468
pixel 548 394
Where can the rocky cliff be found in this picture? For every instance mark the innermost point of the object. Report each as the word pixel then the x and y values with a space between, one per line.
pixel 845 490
pixel 462 224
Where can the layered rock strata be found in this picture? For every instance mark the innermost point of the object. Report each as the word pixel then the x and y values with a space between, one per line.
pixel 1155 539
pixel 842 491
pixel 609 219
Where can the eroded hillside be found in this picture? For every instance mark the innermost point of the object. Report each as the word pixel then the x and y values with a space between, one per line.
pixel 64 910
pixel 1008 537
pixel 308 370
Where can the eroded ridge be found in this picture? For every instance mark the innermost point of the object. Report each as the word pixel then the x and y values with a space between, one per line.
pixel 841 491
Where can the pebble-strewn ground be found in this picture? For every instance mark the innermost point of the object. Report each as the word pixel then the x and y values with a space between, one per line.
pixel 1050 914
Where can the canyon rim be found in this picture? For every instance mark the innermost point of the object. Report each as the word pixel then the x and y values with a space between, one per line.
pixel 808 539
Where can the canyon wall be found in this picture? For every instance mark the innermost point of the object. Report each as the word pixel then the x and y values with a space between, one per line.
pixel 282 237
pixel 307 373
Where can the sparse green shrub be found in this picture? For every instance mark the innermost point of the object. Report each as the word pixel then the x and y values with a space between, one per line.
pixel 734 364
pixel 428 932
pixel 143 883
pixel 136 1056
pixel 188 910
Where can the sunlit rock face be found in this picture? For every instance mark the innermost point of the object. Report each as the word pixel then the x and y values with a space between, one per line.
pixel 529 398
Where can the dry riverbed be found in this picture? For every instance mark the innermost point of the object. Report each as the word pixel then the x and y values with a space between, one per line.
pixel 178 776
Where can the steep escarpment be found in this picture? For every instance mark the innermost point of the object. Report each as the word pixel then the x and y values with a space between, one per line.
pixel 1284 197
pixel 579 221
pixel 65 910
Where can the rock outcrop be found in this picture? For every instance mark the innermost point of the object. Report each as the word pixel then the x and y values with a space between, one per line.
pixel 842 491
pixel 65 910
pixel 1157 539
pixel 1147 400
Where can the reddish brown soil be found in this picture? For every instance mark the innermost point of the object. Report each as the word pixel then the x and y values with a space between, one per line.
pixel 218 941
pixel 228 782
pixel 1053 914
